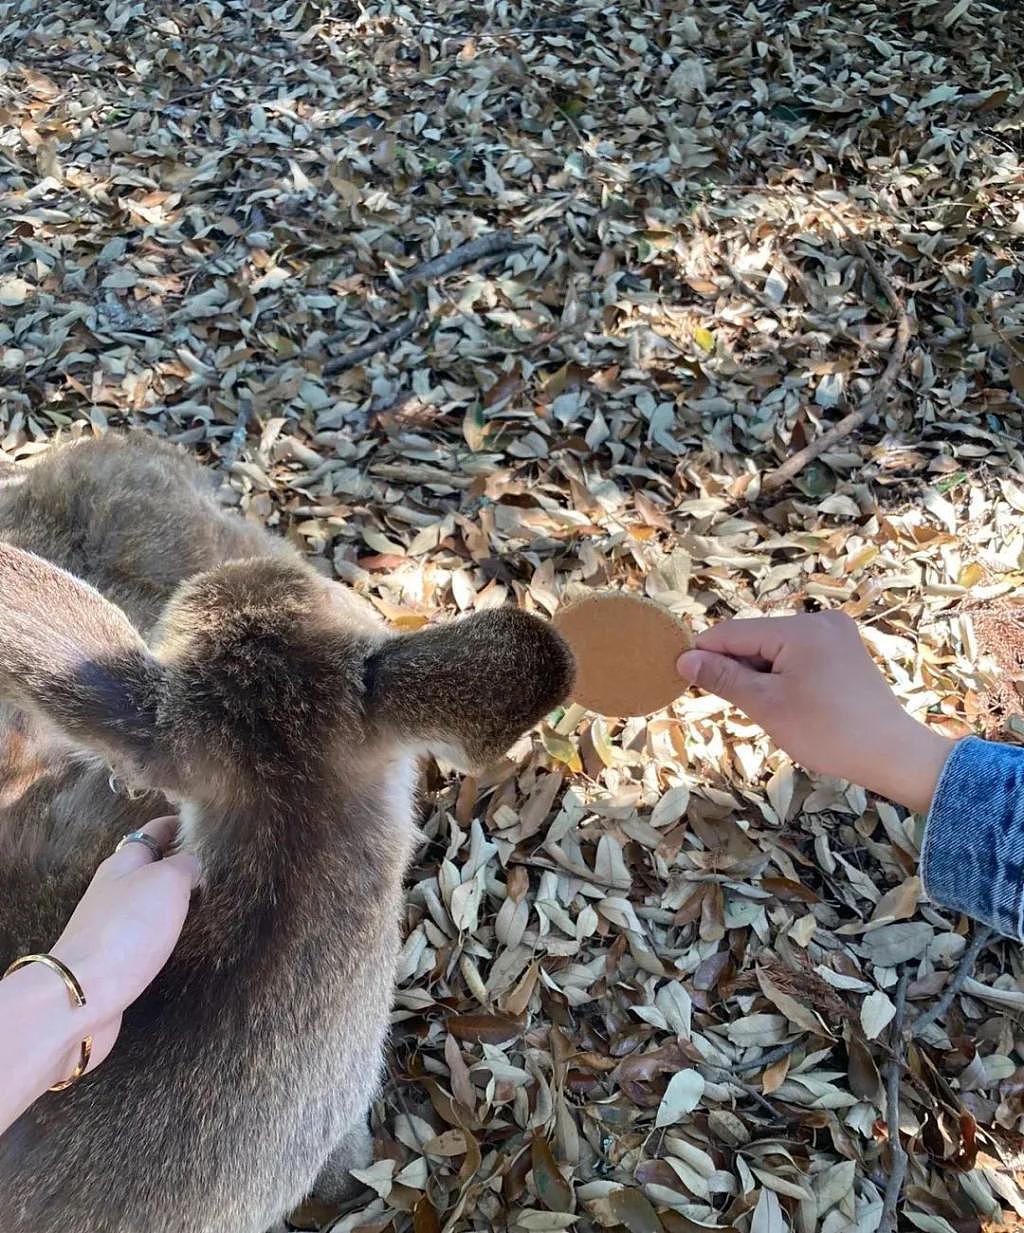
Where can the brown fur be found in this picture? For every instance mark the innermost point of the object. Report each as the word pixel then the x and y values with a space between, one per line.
pixel 272 705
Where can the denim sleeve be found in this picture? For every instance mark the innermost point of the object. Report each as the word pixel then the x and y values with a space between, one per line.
pixel 973 854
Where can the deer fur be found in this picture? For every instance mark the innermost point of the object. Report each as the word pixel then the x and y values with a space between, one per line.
pixel 147 632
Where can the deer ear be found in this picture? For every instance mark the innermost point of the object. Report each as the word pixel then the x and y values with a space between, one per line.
pixel 469 690
pixel 74 658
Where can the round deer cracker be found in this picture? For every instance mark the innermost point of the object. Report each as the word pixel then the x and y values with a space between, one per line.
pixel 626 650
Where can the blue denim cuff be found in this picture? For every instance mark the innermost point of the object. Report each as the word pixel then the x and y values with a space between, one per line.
pixel 973 854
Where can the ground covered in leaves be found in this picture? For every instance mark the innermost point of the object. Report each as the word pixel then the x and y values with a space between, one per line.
pixel 652 969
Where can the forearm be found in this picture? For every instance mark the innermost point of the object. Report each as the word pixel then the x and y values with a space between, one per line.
pixel 972 792
pixel 906 765
pixel 40 1036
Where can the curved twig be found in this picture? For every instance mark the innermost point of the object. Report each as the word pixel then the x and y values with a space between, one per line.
pixel 982 937
pixel 766 1059
pixel 893 1075
pixel 493 244
pixel 381 342
pixel 796 462
pixel 490 245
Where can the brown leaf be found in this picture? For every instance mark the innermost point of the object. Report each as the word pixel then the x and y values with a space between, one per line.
pixel 449 1143
pixel 775 1075
pixel 691 908
pixel 712 915
pixel 785 888
pixel 711 971
pixel 631 1208
pixel 474 428
pixel 444 1105
pixel 461 1084
pixel 515 1002
pixel 900 903
pixel 641 1068
pixel 657 1173
pixel 535 812
pixel 492 1029
pixel 789 1006
pixel 675 1222
pixel 517 883
pixel 472 1160
pixel 552 1188
pixel 425 1218
pixel 967 1155
pixel 865 1081
pixel 507 386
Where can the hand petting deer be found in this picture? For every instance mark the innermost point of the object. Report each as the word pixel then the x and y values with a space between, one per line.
pixel 158 651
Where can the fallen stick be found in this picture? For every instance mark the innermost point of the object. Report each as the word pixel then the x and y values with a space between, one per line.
pixel 849 423
pixel 982 937
pixel 491 245
pixel 728 1077
pixel 230 452
pixel 381 342
pixel 893 1075
pixel 766 1059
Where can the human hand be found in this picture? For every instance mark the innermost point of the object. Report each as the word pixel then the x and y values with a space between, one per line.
pixel 123 931
pixel 810 683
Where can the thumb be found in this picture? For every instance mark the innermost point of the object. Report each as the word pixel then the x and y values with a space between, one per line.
pixel 728 678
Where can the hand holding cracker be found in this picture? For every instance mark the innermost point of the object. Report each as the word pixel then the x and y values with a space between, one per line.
pixel 810 683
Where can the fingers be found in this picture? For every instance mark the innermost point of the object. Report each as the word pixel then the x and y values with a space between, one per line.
pixel 137 855
pixel 765 638
pixel 754 661
pixel 166 888
pixel 186 866
pixel 759 638
pixel 163 830
pixel 738 683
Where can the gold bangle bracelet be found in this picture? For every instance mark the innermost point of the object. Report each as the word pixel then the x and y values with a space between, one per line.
pixel 77 999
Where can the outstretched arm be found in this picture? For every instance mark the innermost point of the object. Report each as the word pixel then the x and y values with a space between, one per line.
pixel 810 683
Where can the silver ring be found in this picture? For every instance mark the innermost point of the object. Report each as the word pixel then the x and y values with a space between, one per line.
pixel 141 837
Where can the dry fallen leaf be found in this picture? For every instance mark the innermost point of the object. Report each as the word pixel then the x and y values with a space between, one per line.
pixel 681 1097
pixel 876 1011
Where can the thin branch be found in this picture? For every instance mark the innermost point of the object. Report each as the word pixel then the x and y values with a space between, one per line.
pixel 893 1075
pixel 490 245
pixel 964 969
pixel 849 423
pixel 554 27
pixel 494 244
pixel 421 473
pixel 729 1078
pixel 229 454
pixel 580 137
pixel 565 870
pixel 382 342
pixel 766 1059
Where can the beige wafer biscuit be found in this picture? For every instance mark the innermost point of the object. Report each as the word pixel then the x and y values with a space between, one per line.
pixel 626 650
